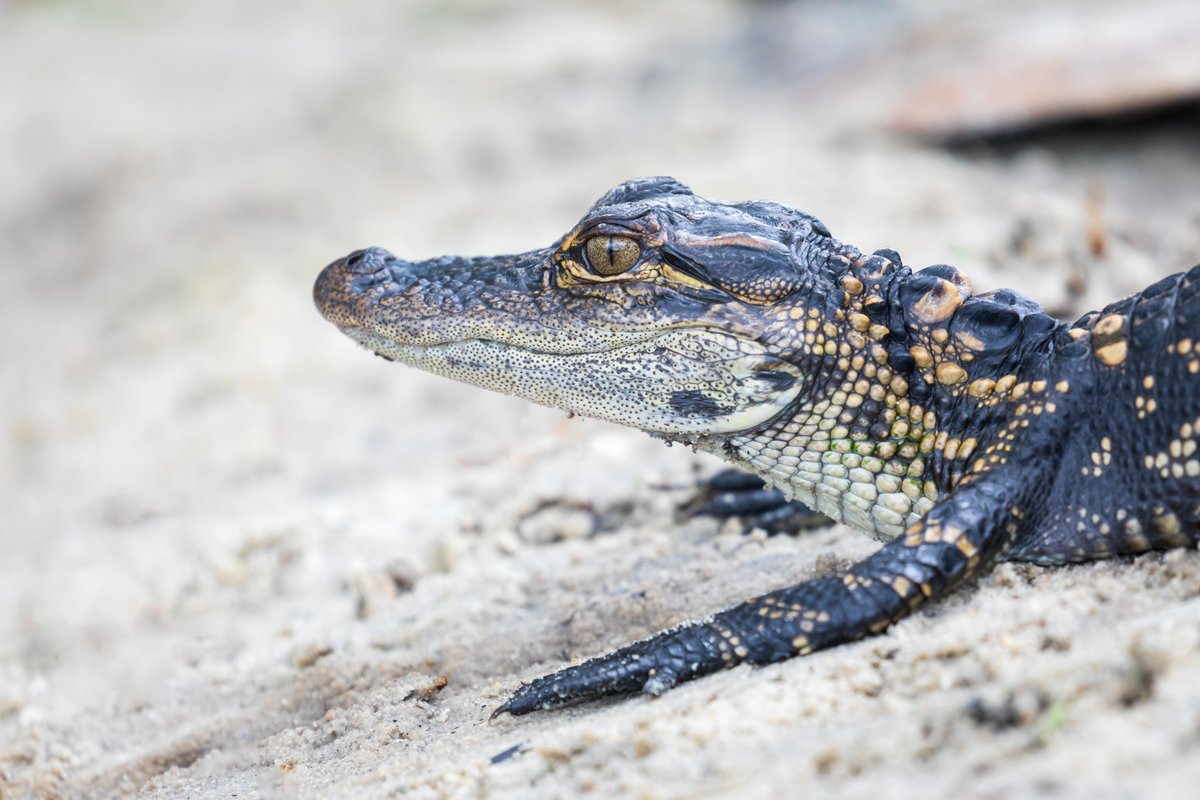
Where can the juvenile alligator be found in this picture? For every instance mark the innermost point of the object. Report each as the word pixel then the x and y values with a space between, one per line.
pixel 958 428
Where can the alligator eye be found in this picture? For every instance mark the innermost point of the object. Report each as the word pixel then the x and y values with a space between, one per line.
pixel 611 255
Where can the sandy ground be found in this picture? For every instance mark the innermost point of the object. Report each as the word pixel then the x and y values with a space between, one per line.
pixel 239 557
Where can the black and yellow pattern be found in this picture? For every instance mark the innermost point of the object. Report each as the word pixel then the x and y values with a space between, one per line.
pixel 959 428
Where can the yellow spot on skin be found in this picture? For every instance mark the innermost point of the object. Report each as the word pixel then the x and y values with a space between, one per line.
pixel 901 586
pixel 966 546
pixel 938 303
pixel 969 340
pixel 952 533
pixel 921 355
pixel 1167 524
pixel 1062 387
pixel 1184 347
pixel 1005 383
pixel 1110 324
pixel 950 373
pixel 982 387
pixel 852 285
pixel 1113 354
pixel 1148 382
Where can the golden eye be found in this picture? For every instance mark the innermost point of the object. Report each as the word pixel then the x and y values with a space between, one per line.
pixel 611 255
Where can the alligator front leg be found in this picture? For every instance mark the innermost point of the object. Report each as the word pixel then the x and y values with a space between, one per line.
pixel 734 493
pixel 957 539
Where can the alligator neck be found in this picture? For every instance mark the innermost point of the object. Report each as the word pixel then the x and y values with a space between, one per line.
pixel 908 391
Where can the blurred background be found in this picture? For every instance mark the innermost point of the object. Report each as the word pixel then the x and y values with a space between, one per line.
pixel 199 476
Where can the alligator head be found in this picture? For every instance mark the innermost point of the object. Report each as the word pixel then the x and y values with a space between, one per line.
pixel 660 310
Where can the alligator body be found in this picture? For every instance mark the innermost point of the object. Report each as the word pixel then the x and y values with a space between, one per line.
pixel 958 428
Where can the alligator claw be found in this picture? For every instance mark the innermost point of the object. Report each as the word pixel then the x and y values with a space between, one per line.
pixel 733 493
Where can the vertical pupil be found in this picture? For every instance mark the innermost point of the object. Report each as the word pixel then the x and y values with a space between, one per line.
pixel 611 255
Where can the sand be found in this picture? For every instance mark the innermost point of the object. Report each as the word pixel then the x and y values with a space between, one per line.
pixel 240 557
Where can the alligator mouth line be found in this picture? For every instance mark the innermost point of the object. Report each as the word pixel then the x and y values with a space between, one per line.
pixel 374 341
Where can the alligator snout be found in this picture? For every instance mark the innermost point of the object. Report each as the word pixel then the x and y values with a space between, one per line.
pixel 345 282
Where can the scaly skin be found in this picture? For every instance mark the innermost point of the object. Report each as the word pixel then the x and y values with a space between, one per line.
pixel 958 428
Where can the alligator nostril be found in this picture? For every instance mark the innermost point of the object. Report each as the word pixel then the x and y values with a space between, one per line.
pixel 367 261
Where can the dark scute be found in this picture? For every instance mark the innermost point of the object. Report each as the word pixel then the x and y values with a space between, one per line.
pixel 1013 299
pixel 1151 321
pixel 919 391
pixel 637 189
pixel 890 255
pixel 1075 350
pixel 1187 304
pixel 877 311
pixel 1161 287
pixel 997 324
pixel 944 271
pixel 899 358
pixel 1038 325
pixel 694 403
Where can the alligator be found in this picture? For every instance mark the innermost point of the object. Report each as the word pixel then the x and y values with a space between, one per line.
pixel 959 429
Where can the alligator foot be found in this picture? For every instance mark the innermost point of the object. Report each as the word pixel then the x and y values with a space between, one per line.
pixel 734 493
pixel 652 666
